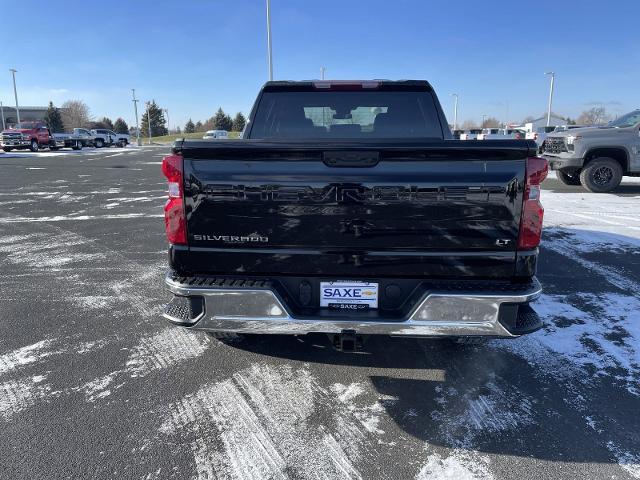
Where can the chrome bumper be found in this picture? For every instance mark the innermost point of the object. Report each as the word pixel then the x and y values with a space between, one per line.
pixel 262 311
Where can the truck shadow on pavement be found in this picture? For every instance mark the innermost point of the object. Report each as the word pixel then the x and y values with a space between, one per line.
pixel 481 398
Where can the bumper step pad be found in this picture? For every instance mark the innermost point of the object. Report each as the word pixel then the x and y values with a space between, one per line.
pixel 184 310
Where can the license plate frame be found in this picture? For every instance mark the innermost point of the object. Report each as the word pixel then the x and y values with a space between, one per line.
pixel 349 295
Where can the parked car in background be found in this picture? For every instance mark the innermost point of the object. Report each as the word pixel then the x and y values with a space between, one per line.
pixel 121 139
pixel 26 135
pixel 596 158
pixel 471 134
pixel 79 138
pixel 500 134
pixel 456 134
pixel 102 137
pixel 209 134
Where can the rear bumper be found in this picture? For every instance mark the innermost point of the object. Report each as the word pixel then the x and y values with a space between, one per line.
pixel 257 307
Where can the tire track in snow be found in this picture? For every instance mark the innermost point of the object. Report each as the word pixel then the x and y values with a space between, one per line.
pixel 25 355
pixel 165 349
pixel 562 242
pixel 264 422
pixel 464 418
pixel 17 395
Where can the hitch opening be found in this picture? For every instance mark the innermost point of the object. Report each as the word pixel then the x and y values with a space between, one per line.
pixel 347 341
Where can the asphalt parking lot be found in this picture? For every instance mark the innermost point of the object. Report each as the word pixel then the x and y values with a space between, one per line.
pixel 94 384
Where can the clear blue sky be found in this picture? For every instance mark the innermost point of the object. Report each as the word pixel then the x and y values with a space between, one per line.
pixel 192 56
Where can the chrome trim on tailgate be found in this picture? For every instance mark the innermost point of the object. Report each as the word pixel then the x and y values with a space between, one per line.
pixel 260 310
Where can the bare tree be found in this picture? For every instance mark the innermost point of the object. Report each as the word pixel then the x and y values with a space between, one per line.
pixel 593 116
pixel 491 122
pixel 528 119
pixel 469 124
pixel 75 113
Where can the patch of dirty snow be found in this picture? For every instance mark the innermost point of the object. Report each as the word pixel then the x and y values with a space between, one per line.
pixel 368 414
pixel 628 461
pixel 16 396
pixel 73 218
pixel 97 389
pixel 25 355
pixel 264 423
pixel 492 408
pixel 165 349
pixel 459 465
pixel 94 301
pixel 597 330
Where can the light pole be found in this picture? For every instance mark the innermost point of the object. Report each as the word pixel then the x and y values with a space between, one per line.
pixel 553 77
pixel 149 120
pixel 2 113
pixel 269 40
pixel 135 107
pixel 166 111
pixel 455 110
pixel 15 92
pixel 322 73
pixel 483 117
pixel 506 117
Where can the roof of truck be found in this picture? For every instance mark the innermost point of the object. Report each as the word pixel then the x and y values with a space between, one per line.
pixel 374 84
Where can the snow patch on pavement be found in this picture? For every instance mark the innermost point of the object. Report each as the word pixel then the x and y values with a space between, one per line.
pixel 16 396
pixel 25 355
pixel 601 331
pixel 459 465
pixel 97 389
pixel 68 218
pixel 165 349
pixel 628 461
pixel 264 423
pixel 369 415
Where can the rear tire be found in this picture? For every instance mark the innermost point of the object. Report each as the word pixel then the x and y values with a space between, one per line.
pixel 601 175
pixel 6 149
pixel 99 143
pixel 34 147
pixel 568 179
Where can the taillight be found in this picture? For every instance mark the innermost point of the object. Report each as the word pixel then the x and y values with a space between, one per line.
pixel 532 211
pixel 174 218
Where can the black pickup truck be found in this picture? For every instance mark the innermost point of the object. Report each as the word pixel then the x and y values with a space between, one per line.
pixel 348 209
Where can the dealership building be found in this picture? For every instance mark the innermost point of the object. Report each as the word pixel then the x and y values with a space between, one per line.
pixel 10 116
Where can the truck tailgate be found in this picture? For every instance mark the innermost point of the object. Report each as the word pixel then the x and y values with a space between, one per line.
pixel 438 209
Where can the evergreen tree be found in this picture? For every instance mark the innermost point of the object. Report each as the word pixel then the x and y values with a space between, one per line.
pixel 53 119
pixel 222 121
pixel 120 126
pixel 228 123
pixel 199 126
pixel 238 122
pixel 108 124
pixel 158 123
pixel 189 127
pixel 178 131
